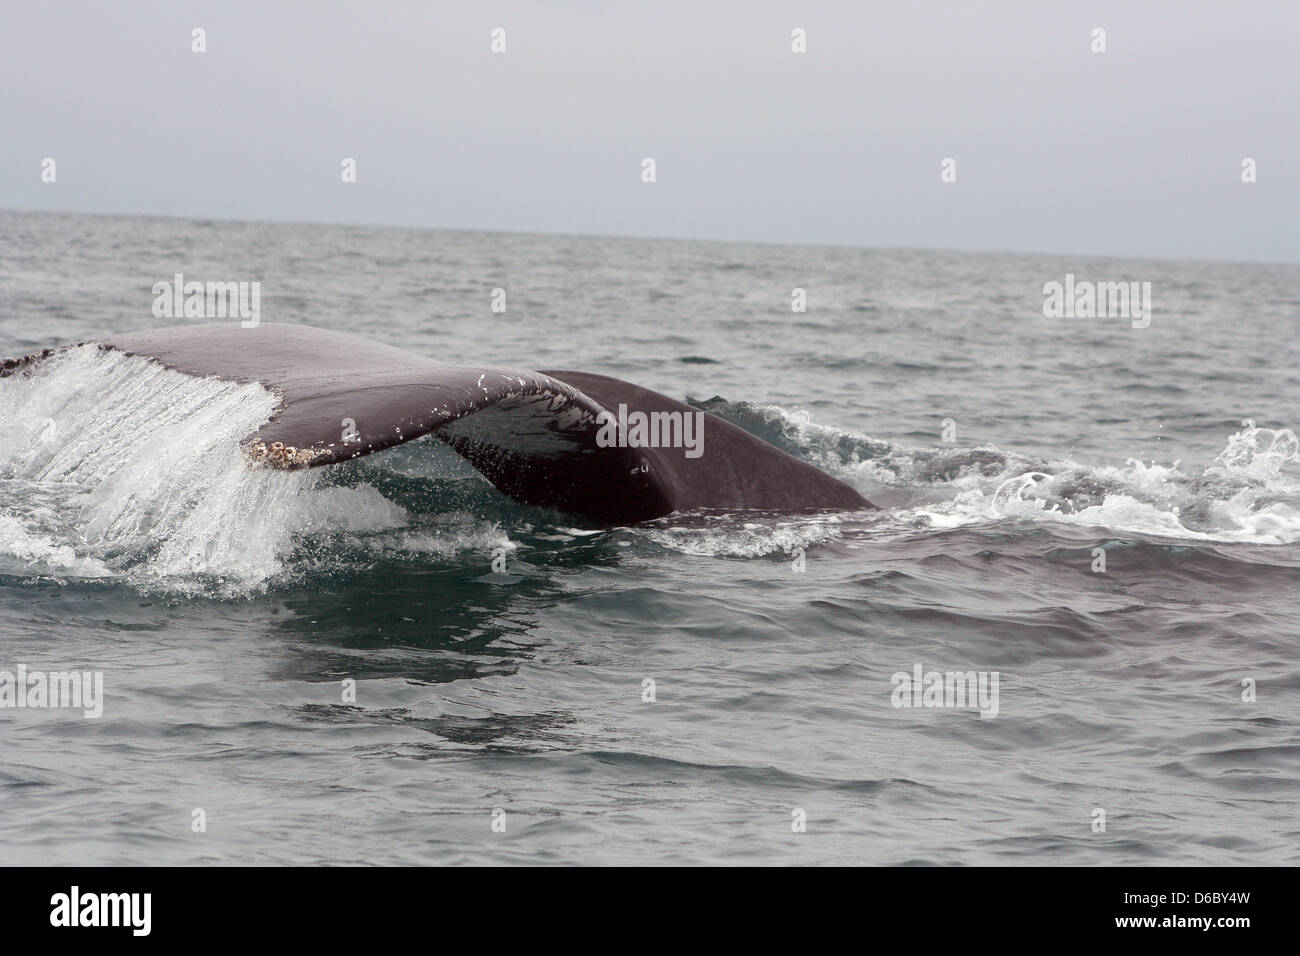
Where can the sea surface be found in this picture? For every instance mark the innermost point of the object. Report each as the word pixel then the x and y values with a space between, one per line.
pixel 324 667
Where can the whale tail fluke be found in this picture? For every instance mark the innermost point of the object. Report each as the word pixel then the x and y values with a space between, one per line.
pixel 587 444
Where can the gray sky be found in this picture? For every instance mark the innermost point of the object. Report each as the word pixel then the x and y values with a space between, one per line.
pixel 1136 151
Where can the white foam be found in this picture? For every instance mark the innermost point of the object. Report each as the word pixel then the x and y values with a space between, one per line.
pixel 443 535
pixel 724 537
pixel 1245 495
pixel 23 551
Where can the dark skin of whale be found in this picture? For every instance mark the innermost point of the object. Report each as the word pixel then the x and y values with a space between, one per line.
pixel 532 434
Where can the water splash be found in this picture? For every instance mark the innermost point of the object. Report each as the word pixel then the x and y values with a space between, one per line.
pixel 113 465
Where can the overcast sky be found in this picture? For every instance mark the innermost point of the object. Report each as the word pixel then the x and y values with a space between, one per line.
pixel 1136 151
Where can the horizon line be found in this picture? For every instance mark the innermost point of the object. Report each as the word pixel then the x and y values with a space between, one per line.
pixel 645 238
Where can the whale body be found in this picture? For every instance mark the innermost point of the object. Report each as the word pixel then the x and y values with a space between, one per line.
pixel 587 444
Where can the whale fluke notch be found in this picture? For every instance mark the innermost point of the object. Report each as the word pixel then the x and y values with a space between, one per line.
pixel 531 434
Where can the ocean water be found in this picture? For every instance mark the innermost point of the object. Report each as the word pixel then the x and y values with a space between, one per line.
pixel 226 605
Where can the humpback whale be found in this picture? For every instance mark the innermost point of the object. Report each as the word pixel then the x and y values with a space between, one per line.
pixel 594 446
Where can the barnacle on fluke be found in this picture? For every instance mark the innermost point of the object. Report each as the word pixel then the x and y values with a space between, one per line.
pixel 279 455
pixel 9 366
